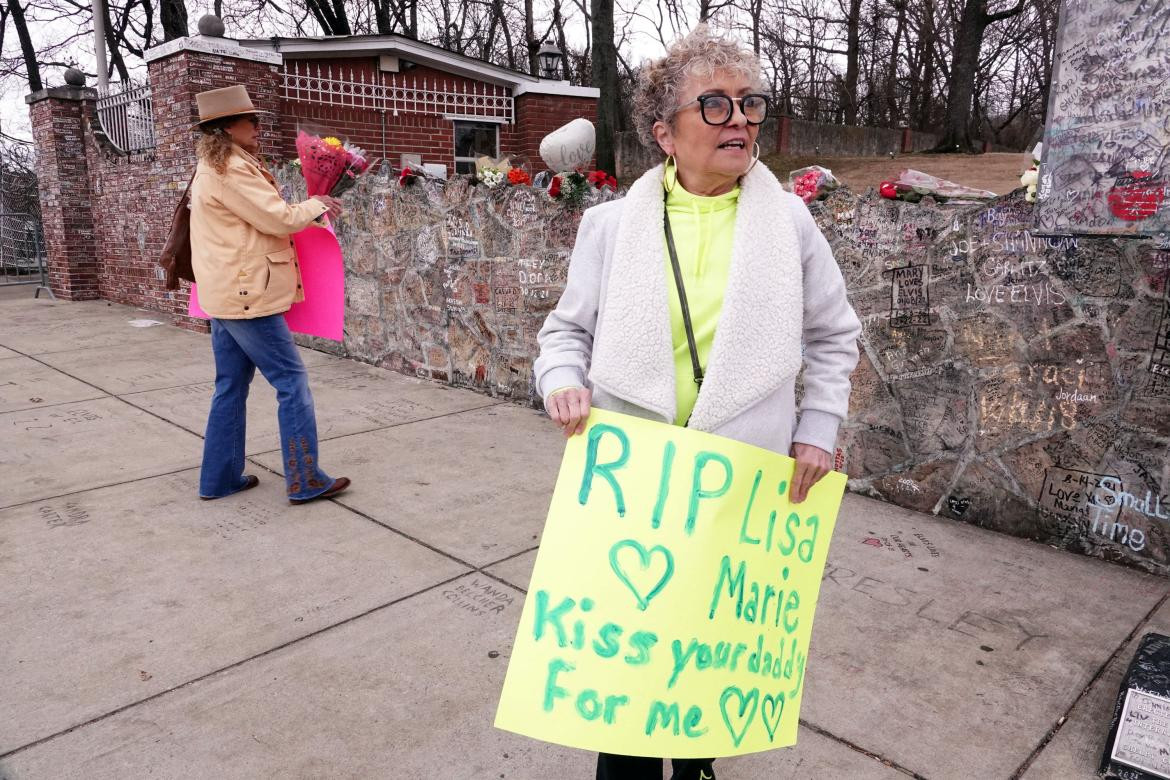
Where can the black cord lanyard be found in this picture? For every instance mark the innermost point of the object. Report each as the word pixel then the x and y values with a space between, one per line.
pixel 682 294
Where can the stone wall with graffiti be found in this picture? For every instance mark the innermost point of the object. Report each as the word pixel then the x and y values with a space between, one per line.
pixel 1016 382
pixel 1107 142
pixel 450 281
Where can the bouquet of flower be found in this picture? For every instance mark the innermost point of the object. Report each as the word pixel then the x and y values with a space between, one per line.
pixel 1031 177
pixel 518 177
pixel 409 176
pixel 573 186
pixel 912 185
pixel 491 177
pixel 330 166
pixel 492 173
pixel 600 179
pixel 812 183
pixel 569 187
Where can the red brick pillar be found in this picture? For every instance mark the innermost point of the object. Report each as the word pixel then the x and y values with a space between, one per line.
pixel 66 198
pixel 542 107
pixel 907 141
pixel 181 69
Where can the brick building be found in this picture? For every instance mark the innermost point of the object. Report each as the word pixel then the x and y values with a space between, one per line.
pixel 396 96
pixel 112 166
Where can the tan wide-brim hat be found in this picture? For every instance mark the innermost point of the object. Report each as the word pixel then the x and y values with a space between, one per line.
pixel 223 103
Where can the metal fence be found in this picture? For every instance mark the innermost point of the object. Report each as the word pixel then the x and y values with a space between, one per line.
pixel 395 92
pixel 126 112
pixel 22 255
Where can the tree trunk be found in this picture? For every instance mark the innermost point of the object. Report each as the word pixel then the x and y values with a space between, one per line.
pixel 112 38
pixel 852 55
pixel 530 41
pixel 605 78
pixel 892 112
pixel 174 19
pixel 31 66
pixel 382 19
pixel 956 130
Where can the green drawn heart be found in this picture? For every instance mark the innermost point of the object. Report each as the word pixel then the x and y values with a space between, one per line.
pixel 747 711
pixel 644 557
pixel 771 711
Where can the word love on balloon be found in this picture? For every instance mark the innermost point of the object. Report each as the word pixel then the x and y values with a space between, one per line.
pixel 672 600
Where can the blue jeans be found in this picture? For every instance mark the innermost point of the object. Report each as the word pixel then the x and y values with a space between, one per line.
pixel 240 347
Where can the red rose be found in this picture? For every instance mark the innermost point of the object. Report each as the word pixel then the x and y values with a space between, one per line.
pixel 888 190
pixel 554 188
pixel 611 182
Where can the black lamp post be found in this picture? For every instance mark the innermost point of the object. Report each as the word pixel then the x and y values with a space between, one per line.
pixel 550 61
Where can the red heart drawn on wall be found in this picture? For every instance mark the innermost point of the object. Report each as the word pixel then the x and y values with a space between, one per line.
pixel 1136 196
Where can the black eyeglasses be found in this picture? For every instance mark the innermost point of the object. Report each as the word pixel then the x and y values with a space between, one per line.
pixel 717 109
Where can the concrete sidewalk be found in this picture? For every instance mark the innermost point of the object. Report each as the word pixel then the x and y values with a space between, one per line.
pixel 146 634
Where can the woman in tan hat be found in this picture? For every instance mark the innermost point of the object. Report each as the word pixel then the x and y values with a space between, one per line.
pixel 248 276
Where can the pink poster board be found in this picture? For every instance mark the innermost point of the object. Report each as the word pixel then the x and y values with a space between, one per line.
pixel 322 313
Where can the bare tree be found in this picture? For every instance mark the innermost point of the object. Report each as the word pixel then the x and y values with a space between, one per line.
pixel 605 78
pixel 973 23
pixel 31 65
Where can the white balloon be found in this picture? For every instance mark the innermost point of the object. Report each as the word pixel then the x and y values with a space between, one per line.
pixel 569 147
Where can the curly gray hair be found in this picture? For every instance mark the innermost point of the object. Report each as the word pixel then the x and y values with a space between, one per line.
pixel 701 53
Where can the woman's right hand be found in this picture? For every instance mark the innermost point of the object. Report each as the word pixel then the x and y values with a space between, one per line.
pixel 570 409
pixel 332 203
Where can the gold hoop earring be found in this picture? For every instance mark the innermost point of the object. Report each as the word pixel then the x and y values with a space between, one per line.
pixel 671 162
pixel 755 157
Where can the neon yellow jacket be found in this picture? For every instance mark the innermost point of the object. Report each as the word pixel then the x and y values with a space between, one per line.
pixel 703 228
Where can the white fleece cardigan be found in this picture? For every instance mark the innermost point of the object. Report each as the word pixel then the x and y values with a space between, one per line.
pixel 610 330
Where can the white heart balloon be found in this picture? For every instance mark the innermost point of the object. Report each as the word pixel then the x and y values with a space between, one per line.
pixel 569 147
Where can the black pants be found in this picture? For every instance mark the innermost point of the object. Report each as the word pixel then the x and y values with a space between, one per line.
pixel 611 767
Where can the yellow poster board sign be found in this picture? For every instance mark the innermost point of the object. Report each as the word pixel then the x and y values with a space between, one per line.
pixel 671 605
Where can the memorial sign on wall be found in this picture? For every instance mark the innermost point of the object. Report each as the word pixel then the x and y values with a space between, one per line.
pixel 1104 169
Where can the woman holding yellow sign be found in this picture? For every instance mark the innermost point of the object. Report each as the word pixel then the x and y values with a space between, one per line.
pixel 695 299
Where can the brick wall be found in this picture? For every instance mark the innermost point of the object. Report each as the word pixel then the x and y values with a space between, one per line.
pixel 135 196
pixel 538 115
pixel 107 215
pixel 66 206
pixel 385 134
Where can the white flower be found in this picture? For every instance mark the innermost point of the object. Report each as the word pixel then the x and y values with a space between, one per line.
pixel 491 178
pixel 1030 177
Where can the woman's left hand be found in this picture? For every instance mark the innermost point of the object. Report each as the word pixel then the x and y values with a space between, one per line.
pixel 812 463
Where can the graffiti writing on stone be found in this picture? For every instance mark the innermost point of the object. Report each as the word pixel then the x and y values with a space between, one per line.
pixel 1160 358
pixel 994 361
pixel 909 303
pixel 1105 145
